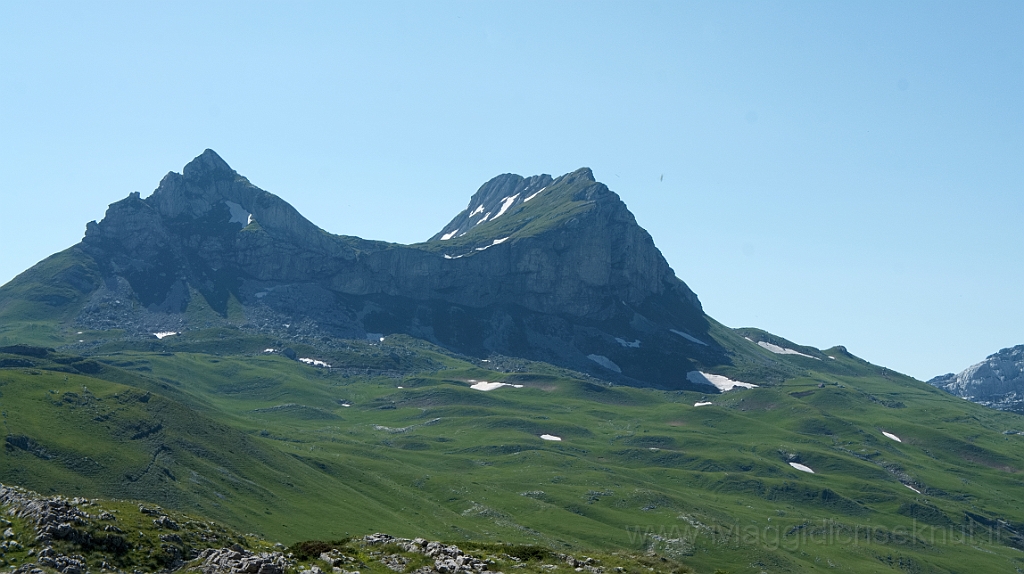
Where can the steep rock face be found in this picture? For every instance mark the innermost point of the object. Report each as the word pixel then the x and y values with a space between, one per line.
pixel 996 382
pixel 568 244
pixel 554 269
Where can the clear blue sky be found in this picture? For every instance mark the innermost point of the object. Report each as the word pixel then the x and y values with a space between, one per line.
pixel 836 173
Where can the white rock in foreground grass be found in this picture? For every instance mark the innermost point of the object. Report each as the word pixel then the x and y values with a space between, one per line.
pixel 801 467
pixel 605 362
pixel 782 350
pixel 486 386
pixel 701 404
pixel 721 383
pixel 550 437
pixel 163 334
pixel 892 436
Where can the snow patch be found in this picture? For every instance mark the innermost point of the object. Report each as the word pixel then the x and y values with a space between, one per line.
pixel 314 362
pixel 689 337
pixel 625 343
pixel 479 209
pixel 163 334
pixel 486 386
pixel 912 488
pixel 269 350
pixel 448 236
pixel 493 243
pixel 701 404
pixel 605 362
pixel 535 194
pixel 721 383
pixel 802 467
pixel 238 213
pixel 507 203
pixel 831 357
pixel 782 350
pixel 892 436
pixel 550 437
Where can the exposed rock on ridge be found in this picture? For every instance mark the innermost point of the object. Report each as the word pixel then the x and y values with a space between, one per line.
pixel 558 270
pixel 996 382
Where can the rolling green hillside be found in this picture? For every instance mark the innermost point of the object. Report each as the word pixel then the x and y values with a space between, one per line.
pixel 393 438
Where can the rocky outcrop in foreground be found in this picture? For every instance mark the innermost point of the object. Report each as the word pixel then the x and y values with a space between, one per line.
pixel 44 535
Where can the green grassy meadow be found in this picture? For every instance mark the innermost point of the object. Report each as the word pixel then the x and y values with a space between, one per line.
pixel 394 439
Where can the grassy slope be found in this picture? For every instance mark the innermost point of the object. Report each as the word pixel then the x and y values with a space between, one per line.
pixel 124 536
pixel 35 304
pixel 438 459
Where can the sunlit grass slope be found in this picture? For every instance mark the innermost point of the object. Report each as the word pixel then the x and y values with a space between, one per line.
pixel 393 438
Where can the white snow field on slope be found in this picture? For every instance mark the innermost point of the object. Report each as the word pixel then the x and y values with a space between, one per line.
pixel 493 243
pixel 892 436
pixel 802 467
pixel 782 350
pixel 718 381
pixel 605 362
pixel 486 386
pixel 689 337
pixel 506 203
pixel 536 194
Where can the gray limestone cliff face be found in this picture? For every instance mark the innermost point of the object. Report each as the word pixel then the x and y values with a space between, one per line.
pixel 997 382
pixel 210 222
pixel 559 271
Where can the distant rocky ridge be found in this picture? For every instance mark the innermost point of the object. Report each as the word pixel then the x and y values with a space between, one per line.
pixel 996 382
pixel 549 269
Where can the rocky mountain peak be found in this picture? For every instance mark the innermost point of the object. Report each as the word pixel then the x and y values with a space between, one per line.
pixel 528 257
pixel 518 200
pixel 208 165
pixel 494 199
pixel 581 175
pixel 997 382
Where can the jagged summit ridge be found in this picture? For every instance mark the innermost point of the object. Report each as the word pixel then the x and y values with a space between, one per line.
pixel 560 271
pixel 207 164
pixel 506 194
